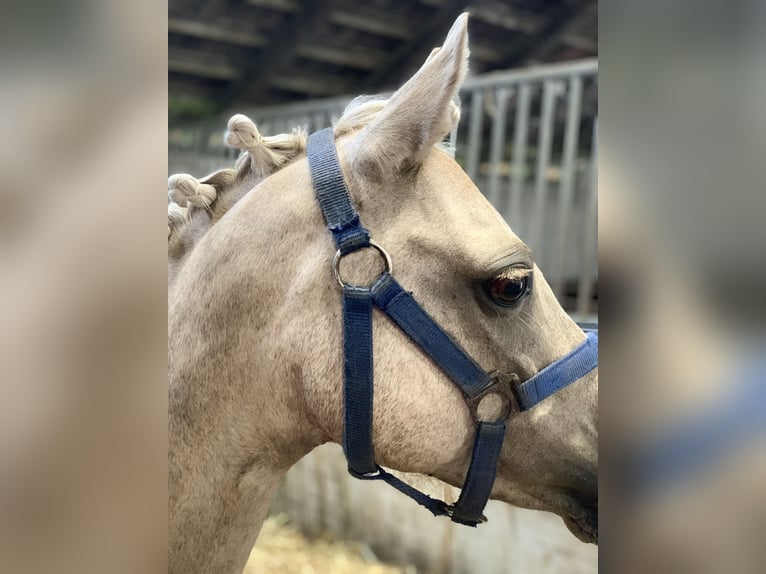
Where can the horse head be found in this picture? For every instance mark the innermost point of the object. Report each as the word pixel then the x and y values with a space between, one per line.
pixel 479 281
pixel 256 332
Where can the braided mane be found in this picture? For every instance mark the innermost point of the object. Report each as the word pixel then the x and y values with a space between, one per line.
pixel 194 205
pixel 260 157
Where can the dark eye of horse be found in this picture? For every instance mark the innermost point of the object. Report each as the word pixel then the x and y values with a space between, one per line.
pixel 507 291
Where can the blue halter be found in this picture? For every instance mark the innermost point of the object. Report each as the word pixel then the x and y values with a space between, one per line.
pixel 400 306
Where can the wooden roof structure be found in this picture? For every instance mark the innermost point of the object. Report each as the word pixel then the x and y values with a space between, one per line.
pixel 231 53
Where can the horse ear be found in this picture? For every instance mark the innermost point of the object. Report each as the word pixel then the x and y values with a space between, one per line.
pixel 420 113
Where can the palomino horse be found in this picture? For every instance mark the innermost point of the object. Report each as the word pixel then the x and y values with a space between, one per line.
pixel 255 335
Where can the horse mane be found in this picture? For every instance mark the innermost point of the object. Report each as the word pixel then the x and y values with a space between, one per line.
pixel 260 157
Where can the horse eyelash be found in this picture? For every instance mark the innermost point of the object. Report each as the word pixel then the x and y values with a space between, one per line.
pixel 514 273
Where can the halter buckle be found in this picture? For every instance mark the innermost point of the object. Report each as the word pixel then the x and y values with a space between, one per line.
pixel 449 511
pixel 503 385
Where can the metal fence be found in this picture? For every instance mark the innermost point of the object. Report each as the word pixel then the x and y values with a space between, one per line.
pixel 527 138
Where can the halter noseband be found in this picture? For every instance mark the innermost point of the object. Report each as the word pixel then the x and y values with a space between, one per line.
pixel 400 306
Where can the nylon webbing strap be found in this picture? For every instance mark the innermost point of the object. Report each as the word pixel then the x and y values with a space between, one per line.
pixel 411 318
pixel 561 373
pixel 435 506
pixel 357 380
pixel 332 194
pixel 481 474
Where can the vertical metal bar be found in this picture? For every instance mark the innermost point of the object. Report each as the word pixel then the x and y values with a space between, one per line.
pixel 198 140
pixel 590 239
pixel 319 121
pixel 498 145
pixel 474 134
pixel 519 159
pixel 452 146
pixel 571 138
pixel 541 174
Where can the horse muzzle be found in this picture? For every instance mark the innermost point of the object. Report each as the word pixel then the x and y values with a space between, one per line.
pixel 583 523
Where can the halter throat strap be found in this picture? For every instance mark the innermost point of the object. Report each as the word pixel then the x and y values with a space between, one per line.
pixel 401 307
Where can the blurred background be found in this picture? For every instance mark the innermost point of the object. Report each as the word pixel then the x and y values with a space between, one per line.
pixel 526 138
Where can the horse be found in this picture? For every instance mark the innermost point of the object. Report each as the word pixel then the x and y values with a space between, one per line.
pixel 255 332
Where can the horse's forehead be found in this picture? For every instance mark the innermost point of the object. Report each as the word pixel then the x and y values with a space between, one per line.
pixel 438 162
pixel 458 197
pixel 444 181
pixel 453 217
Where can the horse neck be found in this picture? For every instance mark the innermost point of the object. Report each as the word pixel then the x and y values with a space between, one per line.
pixel 237 415
pixel 201 220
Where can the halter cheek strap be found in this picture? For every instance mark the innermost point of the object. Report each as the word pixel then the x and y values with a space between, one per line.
pixel 402 308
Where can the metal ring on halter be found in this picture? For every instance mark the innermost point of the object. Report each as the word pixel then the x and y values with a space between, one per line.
pixel 339 256
pixel 504 386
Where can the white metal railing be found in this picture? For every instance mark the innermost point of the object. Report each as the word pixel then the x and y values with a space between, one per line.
pixel 528 142
pixel 527 138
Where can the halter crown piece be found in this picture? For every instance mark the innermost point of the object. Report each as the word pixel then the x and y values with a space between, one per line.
pixel 401 307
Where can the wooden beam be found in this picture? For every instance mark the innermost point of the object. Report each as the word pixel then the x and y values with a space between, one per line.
pixel 373 21
pixel 501 15
pixel 486 54
pixel 182 84
pixel 258 71
pixel 580 42
pixel 200 64
pixel 314 85
pixel 431 33
pixel 357 58
pixel 215 32
pixel 277 5
pixel 537 47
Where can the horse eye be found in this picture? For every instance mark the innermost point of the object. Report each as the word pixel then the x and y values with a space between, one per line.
pixel 507 291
